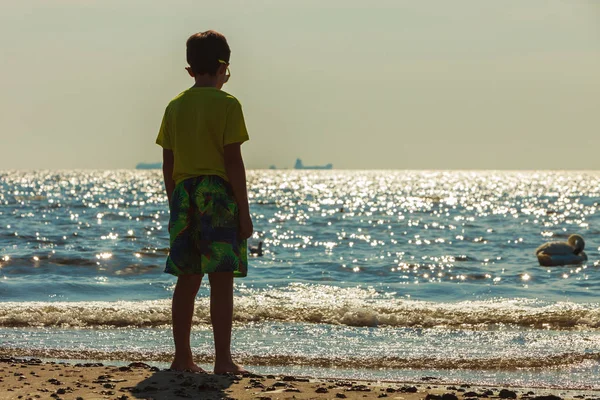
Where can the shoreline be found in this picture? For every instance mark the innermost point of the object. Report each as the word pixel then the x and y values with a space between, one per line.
pixel 118 358
pixel 28 377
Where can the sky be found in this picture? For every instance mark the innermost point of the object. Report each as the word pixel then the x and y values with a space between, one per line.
pixel 462 84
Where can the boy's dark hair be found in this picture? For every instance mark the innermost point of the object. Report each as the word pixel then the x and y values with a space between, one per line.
pixel 204 50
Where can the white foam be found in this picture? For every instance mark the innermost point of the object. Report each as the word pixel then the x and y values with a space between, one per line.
pixel 312 304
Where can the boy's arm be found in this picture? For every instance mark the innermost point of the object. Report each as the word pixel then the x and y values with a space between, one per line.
pixel 236 172
pixel 168 161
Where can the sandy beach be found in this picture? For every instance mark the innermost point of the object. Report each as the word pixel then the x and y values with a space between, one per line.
pixel 23 378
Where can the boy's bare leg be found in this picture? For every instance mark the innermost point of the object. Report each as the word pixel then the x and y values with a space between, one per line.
pixel 182 310
pixel 221 315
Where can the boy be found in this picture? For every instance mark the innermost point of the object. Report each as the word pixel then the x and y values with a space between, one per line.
pixel 201 134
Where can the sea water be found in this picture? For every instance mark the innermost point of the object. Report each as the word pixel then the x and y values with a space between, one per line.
pixel 366 274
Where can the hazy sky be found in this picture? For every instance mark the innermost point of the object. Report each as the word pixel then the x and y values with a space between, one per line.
pixel 507 84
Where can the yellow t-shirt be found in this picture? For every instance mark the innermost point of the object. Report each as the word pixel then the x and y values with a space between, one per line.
pixel 197 125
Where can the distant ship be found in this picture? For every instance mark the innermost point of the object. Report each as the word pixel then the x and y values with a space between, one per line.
pixel 299 165
pixel 149 166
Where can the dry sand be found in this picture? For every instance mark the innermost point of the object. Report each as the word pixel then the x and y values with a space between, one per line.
pixel 36 379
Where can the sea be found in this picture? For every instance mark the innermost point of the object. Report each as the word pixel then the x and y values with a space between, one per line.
pixel 385 275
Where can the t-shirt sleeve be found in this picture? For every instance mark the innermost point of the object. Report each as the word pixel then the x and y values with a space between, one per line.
pixel 235 127
pixel 164 134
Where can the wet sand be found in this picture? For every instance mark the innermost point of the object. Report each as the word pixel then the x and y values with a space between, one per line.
pixel 36 379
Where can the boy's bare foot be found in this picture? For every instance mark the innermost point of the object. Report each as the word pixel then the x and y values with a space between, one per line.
pixel 186 367
pixel 229 368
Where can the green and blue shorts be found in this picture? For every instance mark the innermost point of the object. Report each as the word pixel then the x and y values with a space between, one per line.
pixel 203 229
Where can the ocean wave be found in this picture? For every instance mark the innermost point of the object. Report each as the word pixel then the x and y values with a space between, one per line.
pixel 491 363
pixel 314 304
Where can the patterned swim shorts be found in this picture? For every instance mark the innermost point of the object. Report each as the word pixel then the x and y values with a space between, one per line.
pixel 203 229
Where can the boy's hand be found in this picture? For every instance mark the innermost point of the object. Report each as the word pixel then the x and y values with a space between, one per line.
pixel 236 172
pixel 246 226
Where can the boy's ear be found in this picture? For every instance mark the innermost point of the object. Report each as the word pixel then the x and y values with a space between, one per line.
pixel 189 70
